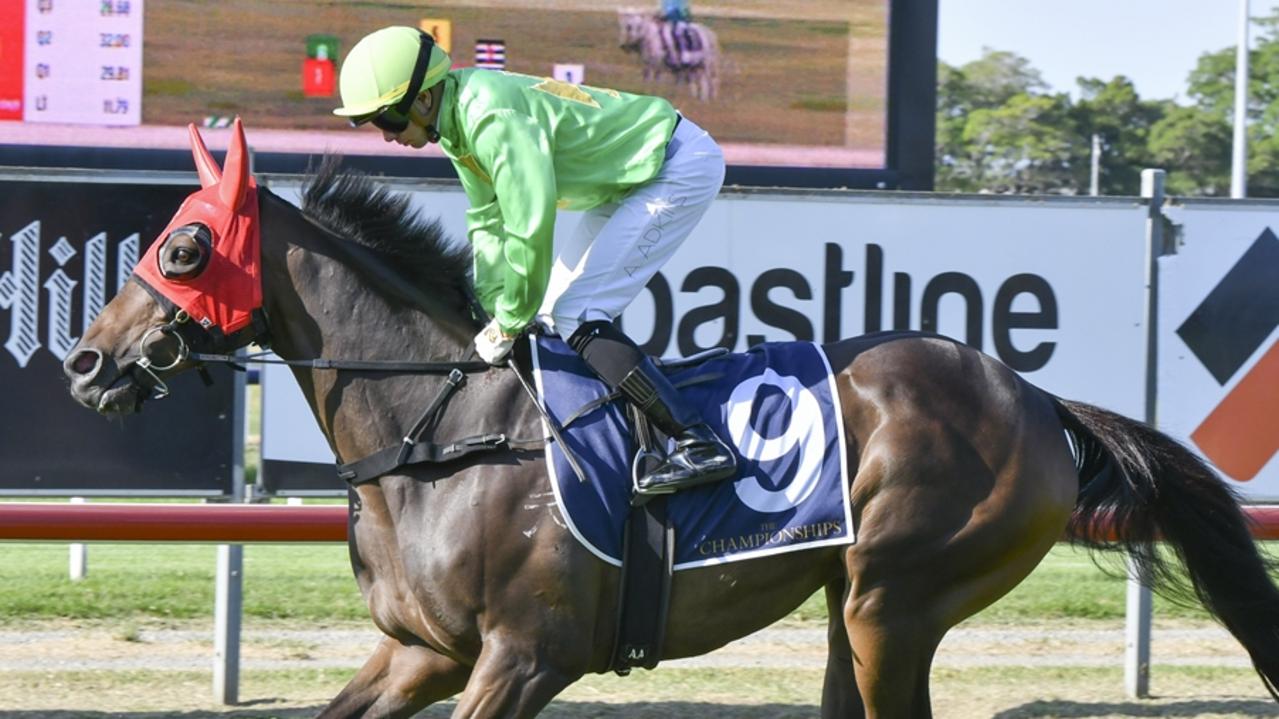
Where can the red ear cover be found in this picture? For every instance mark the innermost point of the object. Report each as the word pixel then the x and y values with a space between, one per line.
pixel 205 165
pixel 235 179
pixel 224 295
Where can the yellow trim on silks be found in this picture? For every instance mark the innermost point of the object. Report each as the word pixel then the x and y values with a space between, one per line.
pixel 565 90
pixel 473 166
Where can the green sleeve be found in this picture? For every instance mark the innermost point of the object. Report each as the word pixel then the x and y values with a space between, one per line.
pixel 518 154
pixel 484 230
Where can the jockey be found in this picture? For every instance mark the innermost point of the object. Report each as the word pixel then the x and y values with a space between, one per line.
pixel 675 16
pixel 524 146
pixel 673 11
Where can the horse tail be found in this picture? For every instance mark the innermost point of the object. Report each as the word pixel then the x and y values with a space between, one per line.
pixel 1139 485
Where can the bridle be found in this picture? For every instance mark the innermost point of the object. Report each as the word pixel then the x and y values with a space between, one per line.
pixel 190 337
pixel 159 389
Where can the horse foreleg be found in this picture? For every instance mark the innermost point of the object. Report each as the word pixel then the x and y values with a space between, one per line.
pixel 840 698
pixel 398 681
pixel 511 681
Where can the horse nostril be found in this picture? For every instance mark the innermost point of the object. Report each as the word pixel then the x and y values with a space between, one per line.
pixel 85 362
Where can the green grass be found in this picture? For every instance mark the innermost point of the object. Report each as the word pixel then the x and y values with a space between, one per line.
pixel 1067 585
pixel 313 583
pixel 170 87
pixel 139 582
pixel 820 104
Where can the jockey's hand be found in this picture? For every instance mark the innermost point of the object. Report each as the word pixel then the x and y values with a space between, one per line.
pixel 492 344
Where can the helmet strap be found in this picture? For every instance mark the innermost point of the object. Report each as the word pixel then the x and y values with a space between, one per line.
pixel 419 73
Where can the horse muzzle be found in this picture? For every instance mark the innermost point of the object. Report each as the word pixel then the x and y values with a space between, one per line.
pixel 98 384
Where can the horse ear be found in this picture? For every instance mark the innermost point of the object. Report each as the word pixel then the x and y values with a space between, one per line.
pixel 205 165
pixel 236 178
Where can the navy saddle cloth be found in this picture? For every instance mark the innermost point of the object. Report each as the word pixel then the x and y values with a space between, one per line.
pixel 776 406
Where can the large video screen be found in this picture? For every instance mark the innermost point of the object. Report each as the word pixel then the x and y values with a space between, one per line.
pixel 796 84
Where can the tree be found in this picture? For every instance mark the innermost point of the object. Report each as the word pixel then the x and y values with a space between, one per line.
pixel 976 93
pixel 999 130
pixel 1027 145
pixel 1193 145
pixel 1212 89
pixel 1124 121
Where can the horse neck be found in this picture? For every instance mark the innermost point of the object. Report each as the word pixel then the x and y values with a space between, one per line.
pixel 327 297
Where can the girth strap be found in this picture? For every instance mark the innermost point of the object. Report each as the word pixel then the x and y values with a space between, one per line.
pixel 388 460
pixel 412 450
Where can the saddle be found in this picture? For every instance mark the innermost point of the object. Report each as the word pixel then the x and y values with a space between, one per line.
pixel 682 48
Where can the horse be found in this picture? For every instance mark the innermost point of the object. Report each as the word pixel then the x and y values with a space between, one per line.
pixel 964 476
pixel 660 51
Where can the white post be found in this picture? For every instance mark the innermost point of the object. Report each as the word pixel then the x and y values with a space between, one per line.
pixel 1239 153
pixel 79 554
pixel 1137 622
pixel 1137 636
pixel 229 596
pixel 1095 184
pixel 226 639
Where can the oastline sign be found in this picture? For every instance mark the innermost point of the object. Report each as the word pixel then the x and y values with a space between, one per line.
pixel 1045 286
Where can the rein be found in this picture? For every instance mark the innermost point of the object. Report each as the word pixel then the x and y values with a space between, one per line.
pixel 238 363
pixel 412 449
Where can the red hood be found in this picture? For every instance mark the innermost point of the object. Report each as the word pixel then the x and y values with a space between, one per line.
pixel 228 290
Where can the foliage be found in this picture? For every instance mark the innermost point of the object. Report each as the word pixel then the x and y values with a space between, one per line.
pixel 999 129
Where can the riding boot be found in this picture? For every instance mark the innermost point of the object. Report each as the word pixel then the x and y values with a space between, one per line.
pixel 699 457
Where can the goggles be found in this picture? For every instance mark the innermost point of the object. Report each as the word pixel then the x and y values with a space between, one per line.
pixel 394 118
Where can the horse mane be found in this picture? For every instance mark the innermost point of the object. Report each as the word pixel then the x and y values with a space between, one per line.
pixel 356 207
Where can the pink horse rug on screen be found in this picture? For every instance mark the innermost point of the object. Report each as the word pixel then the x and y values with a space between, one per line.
pixel 777 407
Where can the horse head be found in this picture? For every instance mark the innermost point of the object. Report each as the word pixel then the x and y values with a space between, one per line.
pixel 198 287
pixel 632 24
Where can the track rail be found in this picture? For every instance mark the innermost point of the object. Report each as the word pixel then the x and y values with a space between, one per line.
pixel 244 523
pixel 214 523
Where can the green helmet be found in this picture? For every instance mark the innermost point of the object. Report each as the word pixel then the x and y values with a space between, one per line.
pixel 377 71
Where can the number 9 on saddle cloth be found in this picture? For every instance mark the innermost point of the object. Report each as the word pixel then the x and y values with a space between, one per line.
pixel 779 410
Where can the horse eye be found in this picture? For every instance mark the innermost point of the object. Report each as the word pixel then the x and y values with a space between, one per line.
pixel 186 252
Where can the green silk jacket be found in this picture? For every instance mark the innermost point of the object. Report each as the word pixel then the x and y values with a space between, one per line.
pixel 525 146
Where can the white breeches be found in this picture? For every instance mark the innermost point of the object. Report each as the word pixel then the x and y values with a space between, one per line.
pixel 602 265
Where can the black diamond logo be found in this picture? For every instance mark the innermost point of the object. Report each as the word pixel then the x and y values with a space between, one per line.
pixel 1240 312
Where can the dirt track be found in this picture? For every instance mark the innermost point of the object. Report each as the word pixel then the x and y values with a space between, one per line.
pixel 60 671
pixel 189 648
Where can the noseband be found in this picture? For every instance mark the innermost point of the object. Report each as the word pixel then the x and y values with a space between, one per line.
pixel 144 363
pixel 191 338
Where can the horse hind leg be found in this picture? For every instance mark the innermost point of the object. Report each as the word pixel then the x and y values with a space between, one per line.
pixel 893 650
pixel 398 680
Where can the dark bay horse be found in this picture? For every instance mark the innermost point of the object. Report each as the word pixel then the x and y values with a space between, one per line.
pixel 964 475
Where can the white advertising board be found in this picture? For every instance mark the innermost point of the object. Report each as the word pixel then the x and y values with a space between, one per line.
pixel 1053 288
pixel 1219 340
pixel 1045 286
